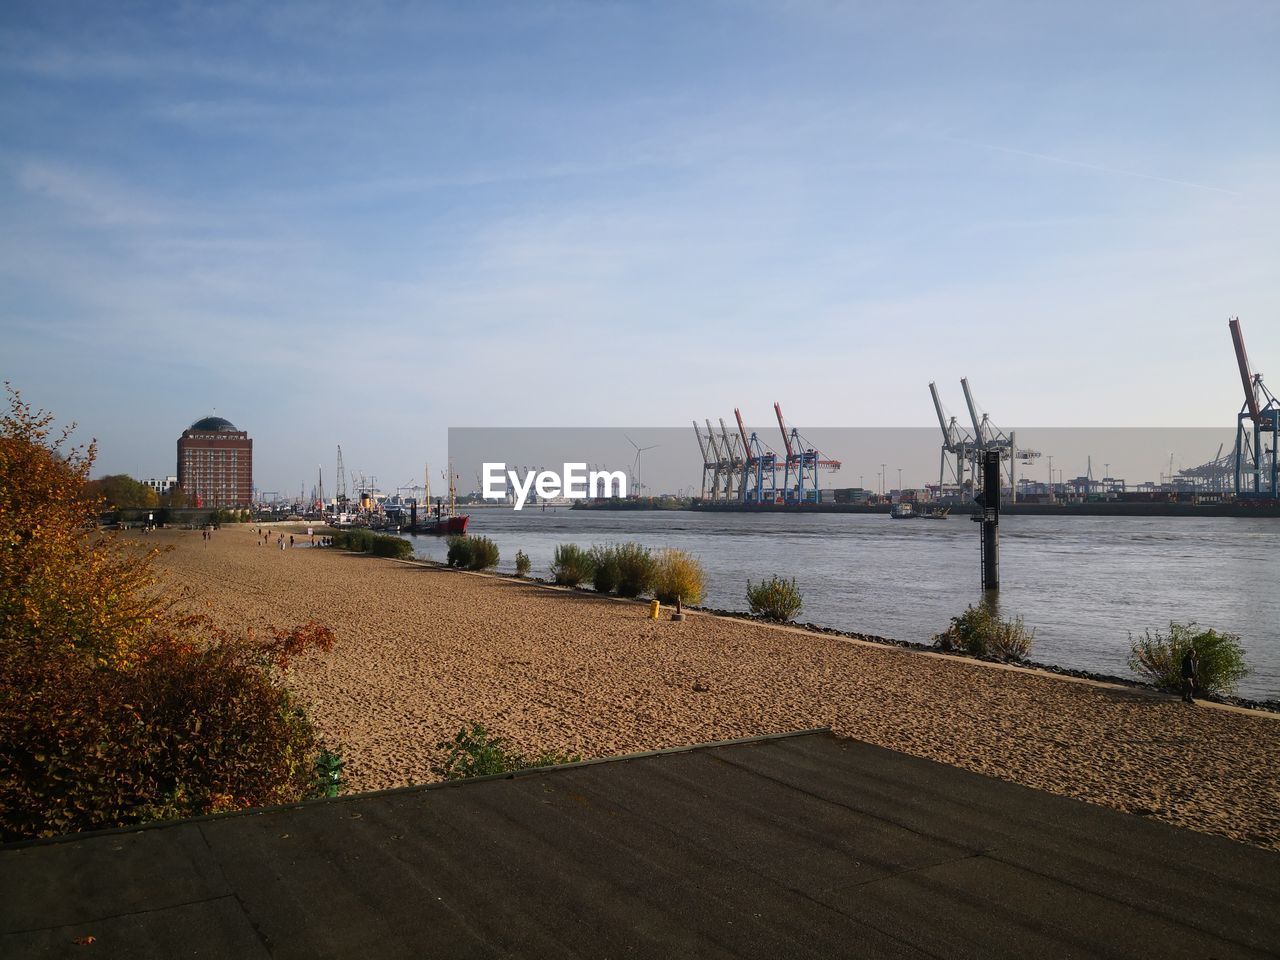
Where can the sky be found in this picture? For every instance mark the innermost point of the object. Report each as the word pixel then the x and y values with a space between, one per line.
pixel 365 224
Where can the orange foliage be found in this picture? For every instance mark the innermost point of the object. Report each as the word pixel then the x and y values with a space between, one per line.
pixel 114 709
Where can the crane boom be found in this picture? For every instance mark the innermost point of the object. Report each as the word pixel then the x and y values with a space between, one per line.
pixel 786 440
pixel 973 412
pixel 711 441
pixel 1246 375
pixel 729 452
pixel 742 431
pixel 942 417
pixel 702 444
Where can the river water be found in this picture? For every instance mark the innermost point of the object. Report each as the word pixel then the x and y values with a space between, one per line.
pixel 1083 583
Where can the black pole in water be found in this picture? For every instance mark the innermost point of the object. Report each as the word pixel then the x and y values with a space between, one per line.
pixel 988 502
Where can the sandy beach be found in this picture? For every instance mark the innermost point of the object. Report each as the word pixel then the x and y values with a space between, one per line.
pixel 420 651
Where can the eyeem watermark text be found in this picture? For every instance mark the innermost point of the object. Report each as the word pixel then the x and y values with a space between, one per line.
pixel 575 483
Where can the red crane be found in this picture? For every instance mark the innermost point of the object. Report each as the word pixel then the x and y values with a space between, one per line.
pixel 1247 378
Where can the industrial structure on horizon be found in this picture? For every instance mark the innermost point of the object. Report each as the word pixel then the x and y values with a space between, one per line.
pixel 745 468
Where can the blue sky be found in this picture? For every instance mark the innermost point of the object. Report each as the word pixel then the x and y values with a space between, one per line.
pixel 363 224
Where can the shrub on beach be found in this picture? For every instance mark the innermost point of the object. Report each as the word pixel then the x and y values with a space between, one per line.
pixel 774 599
pixel 472 553
pixel 201 723
pixel 114 708
pixel 604 568
pixel 1157 657
pixel 362 540
pixel 980 631
pixel 677 576
pixel 474 752
pixel 571 565
pixel 484 553
pixel 523 564
pixel 385 545
pixel 635 569
pixel 459 554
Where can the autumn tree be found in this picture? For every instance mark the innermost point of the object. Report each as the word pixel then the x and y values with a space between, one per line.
pixel 116 708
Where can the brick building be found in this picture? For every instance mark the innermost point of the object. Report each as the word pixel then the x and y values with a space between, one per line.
pixel 215 464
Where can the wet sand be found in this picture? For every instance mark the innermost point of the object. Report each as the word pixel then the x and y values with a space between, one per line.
pixel 420 651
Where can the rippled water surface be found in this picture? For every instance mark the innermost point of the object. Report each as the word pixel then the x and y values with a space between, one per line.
pixel 1084 583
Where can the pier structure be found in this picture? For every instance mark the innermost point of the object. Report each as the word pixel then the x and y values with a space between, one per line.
pixel 1257 450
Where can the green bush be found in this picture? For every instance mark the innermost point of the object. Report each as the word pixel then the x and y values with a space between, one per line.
pixel 523 564
pixel 459 554
pixel 484 553
pixel 473 752
pixel 1158 658
pixel 361 540
pixel 328 772
pixel 571 565
pixel 385 545
pixel 604 568
pixel 635 569
pixel 677 576
pixel 774 599
pixel 980 631
pixel 357 539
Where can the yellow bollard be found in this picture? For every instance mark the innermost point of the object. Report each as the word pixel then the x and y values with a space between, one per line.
pixel 654 609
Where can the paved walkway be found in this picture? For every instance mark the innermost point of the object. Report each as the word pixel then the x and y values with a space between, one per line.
pixel 802 846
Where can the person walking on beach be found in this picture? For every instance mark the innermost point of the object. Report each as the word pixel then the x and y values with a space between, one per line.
pixel 1190 674
pixel 291 539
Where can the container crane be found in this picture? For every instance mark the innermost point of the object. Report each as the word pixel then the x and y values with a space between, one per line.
pixel 734 462
pixel 760 467
pixel 710 462
pixel 800 470
pixel 987 436
pixel 957 443
pixel 1257 450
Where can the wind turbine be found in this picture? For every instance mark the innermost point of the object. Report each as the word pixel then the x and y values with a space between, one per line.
pixel 636 462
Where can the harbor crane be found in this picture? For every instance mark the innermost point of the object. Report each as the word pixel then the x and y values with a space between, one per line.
pixel 800 469
pixel 722 462
pixel 958 447
pixel 1257 450
pixel 710 460
pixel 760 467
pixel 987 436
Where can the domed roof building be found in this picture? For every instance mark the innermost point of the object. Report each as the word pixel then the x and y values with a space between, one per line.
pixel 215 464
pixel 214 423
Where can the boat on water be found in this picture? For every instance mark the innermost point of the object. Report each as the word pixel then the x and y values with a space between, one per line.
pixel 452 525
pixel 442 520
pixel 936 513
pixel 903 511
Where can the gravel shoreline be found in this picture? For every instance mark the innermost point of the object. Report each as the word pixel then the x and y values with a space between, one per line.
pixel 421 650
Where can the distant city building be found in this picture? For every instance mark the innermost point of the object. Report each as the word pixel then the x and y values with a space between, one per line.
pixel 215 464
pixel 161 487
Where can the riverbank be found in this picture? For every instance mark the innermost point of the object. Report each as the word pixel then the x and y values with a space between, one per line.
pixel 422 650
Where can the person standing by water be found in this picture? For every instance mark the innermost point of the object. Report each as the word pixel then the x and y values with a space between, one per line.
pixel 1190 674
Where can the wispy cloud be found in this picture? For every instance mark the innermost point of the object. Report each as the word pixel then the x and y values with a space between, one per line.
pixel 89 196
pixel 1100 168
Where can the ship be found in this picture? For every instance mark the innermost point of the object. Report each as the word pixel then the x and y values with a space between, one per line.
pixel 444 520
pixel 903 510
